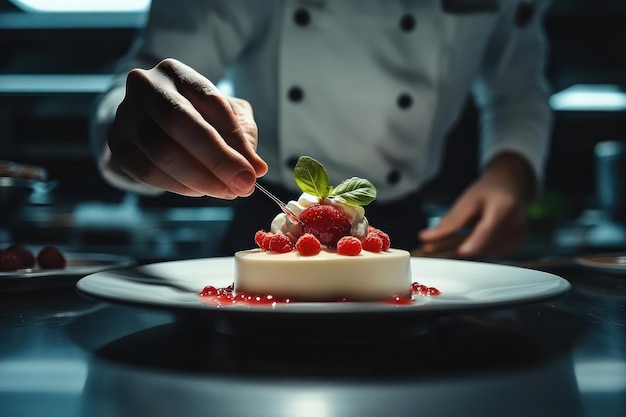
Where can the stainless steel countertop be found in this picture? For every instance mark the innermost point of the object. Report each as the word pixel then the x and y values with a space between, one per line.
pixel 65 355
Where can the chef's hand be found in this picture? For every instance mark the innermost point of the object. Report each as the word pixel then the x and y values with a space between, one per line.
pixel 176 131
pixel 495 204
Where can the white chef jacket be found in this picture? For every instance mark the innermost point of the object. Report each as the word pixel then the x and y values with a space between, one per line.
pixel 370 88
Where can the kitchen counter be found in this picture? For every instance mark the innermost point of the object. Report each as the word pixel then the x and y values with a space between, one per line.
pixel 63 354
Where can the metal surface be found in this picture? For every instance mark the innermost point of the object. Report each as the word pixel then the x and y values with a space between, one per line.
pixel 66 355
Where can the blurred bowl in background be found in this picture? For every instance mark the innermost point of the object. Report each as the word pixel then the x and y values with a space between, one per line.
pixel 18 183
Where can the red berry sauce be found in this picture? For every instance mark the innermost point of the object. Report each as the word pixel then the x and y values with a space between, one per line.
pixel 227 295
pixel 419 289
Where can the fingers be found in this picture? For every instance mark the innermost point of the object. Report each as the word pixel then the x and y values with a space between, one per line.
pixel 154 158
pixel 500 224
pixel 176 131
pixel 134 164
pixel 232 118
pixel 243 112
pixel 504 244
pixel 462 213
pixel 500 228
pixel 177 118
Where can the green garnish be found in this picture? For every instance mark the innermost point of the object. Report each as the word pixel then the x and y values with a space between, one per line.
pixel 312 178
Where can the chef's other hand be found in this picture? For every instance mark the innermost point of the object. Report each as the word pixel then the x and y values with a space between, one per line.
pixel 496 205
pixel 176 131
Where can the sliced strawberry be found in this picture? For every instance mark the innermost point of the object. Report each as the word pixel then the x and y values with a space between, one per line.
pixel 325 222
pixel 308 245
pixel 349 246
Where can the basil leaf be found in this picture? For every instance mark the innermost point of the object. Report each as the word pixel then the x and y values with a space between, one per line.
pixel 311 177
pixel 355 191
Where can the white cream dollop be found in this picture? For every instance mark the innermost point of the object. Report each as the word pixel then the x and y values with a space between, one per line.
pixel 283 224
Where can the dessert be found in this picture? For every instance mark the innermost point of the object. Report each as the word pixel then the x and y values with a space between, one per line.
pixel 326 276
pixel 321 249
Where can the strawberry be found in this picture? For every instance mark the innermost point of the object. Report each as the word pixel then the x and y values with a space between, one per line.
pixel 372 243
pixel 9 261
pixel 50 257
pixel 308 245
pixel 325 222
pixel 27 259
pixel 280 243
pixel 349 246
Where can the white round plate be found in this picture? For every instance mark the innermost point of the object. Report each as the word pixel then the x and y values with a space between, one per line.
pixel 77 266
pixel 463 284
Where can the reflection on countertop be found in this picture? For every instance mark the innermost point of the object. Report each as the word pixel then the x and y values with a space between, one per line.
pixel 461 367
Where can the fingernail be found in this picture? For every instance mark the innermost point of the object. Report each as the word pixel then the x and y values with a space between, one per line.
pixel 243 181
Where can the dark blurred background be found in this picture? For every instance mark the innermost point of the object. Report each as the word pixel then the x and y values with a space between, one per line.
pixel 52 66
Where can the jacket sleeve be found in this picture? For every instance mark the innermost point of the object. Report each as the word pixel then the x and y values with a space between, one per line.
pixel 512 92
pixel 204 34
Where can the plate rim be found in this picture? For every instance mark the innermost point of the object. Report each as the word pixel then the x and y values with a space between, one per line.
pixel 586 262
pixel 114 261
pixel 562 286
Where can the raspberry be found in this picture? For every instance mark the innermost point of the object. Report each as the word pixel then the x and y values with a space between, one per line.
pixel 308 245
pixel 349 246
pixel 280 243
pixel 326 223
pixel 259 236
pixel 384 236
pixel 263 238
pixel 372 243
pixel 266 240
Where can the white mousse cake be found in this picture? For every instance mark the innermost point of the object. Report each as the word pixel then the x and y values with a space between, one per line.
pixel 323 248
pixel 327 276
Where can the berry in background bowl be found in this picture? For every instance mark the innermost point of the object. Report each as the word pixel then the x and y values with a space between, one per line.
pixel 19 257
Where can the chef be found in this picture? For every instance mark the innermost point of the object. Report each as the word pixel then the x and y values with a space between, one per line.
pixel 369 88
